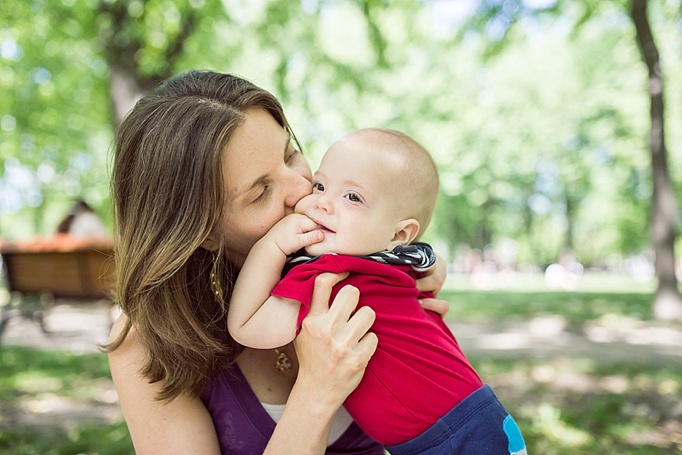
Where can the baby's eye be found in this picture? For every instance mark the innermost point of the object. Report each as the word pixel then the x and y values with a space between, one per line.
pixel 317 186
pixel 353 197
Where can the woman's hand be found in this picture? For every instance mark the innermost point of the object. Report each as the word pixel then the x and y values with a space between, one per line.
pixel 433 281
pixel 334 345
pixel 333 349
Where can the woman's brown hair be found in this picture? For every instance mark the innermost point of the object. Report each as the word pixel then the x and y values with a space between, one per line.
pixel 167 192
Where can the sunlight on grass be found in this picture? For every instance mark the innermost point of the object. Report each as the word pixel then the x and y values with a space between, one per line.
pixel 45 398
pixel 529 297
pixel 532 282
pixel 33 383
pixel 545 420
pixel 564 404
pixel 579 406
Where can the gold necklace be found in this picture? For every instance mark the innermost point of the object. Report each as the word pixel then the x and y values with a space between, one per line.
pixel 282 363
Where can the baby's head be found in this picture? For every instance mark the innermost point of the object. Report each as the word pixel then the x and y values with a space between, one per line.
pixel 374 189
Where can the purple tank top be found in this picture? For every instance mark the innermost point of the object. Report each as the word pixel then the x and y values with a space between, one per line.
pixel 244 427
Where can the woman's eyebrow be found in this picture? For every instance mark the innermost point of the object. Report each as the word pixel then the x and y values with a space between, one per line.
pixel 258 181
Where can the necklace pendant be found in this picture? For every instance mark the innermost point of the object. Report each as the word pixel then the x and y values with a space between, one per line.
pixel 282 363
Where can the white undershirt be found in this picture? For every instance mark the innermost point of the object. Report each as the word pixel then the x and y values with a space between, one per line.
pixel 342 420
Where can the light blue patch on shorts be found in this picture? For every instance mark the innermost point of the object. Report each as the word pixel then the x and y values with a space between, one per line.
pixel 517 446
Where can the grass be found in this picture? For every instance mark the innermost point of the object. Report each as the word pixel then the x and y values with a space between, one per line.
pixel 563 404
pixel 577 406
pixel 42 398
pixel 525 296
pixel 576 306
pixel 572 405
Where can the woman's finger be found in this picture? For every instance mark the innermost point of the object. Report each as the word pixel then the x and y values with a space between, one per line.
pixel 430 283
pixel 366 347
pixel 344 304
pixel 434 278
pixel 359 323
pixel 438 306
pixel 322 291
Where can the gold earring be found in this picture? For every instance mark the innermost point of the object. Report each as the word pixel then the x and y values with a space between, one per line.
pixel 215 281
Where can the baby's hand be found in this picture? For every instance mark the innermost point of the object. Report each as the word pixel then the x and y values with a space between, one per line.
pixel 294 232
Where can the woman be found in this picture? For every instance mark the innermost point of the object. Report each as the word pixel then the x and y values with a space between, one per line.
pixel 204 166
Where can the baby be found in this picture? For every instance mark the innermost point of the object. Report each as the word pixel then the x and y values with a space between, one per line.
pixel 373 196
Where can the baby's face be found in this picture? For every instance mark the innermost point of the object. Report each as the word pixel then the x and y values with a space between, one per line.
pixel 352 200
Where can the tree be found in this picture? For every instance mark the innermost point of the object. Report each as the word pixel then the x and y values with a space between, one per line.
pixel 70 72
pixel 502 17
pixel 668 301
pixel 142 42
pixel 540 144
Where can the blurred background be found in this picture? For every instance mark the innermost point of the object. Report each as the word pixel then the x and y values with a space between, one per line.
pixel 559 145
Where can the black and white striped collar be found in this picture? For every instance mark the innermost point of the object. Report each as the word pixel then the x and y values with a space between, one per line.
pixel 419 256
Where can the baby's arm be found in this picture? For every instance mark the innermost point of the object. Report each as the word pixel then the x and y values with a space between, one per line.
pixel 256 319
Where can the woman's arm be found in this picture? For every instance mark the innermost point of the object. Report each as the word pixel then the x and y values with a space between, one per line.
pixel 333 350
pixel 182 426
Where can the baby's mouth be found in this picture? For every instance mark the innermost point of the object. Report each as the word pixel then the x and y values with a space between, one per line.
pixel 322 227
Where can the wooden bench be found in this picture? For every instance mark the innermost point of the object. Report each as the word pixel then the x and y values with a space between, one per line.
pixel 41 272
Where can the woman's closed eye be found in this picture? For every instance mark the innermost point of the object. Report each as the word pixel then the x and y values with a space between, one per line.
pixel 292 155
pixel 265 191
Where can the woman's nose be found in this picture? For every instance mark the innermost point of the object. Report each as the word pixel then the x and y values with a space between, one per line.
pixel 300 187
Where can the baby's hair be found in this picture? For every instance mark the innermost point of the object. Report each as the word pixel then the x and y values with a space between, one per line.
pixel 416 183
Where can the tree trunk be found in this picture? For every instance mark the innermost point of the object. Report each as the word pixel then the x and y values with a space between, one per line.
pixel 124 90
pixel 127 83
pixel 668 301
pixel 570 222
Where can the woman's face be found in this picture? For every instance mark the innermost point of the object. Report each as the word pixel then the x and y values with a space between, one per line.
pixel 265 176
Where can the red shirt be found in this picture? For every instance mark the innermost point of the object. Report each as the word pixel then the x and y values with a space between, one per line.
pixel 418 372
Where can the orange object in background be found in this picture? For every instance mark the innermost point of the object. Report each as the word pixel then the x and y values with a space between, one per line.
pixel 42 271
pixel 62 266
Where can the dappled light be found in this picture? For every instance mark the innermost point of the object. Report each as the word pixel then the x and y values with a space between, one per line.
pixel 595 387
pixel 538 114
pixel 573 405
pixel 615 329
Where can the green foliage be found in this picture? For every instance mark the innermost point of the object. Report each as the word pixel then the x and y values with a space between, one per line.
pixel 54 106
pixel 540 137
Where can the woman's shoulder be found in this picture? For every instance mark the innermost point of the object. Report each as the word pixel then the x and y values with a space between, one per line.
pixel 182 425
pixel 130 351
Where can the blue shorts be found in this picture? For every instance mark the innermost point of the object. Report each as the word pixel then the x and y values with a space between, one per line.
pixel 479 425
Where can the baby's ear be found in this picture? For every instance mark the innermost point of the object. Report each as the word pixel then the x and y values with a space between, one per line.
pixel 405 232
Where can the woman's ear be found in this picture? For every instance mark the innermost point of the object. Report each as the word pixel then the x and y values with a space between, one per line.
pixel 211 243
pixel 405 232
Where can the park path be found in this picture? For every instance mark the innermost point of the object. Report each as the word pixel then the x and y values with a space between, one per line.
pixel 81 328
